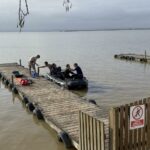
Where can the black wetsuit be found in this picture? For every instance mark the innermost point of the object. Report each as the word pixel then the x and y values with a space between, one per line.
pixel 67 73
pixel 79 73
pixel 53 71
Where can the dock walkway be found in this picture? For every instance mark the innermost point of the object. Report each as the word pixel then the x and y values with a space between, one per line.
pixel 59 107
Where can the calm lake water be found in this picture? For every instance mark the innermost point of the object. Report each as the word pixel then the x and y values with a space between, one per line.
pixel 111 81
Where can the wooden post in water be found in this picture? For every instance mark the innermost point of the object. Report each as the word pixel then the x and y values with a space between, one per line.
pixel 20 63
pixel 145 54
pixel 30 69
pixel 12 79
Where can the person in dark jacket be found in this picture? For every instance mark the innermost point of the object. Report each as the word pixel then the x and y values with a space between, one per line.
pixel 78 70
pixel 54 70
pixel 68 72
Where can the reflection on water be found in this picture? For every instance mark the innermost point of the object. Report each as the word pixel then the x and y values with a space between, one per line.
pixel 20 130
pixel 81 93
pixel 96 88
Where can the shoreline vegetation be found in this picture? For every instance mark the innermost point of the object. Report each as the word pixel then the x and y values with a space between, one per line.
pixel 82 30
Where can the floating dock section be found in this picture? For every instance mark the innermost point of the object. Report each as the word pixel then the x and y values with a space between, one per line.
pixel 133 57
pixel 78 123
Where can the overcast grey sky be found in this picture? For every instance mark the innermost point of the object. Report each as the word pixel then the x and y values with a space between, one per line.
pixel 46 15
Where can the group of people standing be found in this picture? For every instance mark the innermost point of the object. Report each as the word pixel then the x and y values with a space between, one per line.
pixel 68 72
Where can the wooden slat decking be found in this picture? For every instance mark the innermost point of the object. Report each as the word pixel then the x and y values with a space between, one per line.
pixel 59 106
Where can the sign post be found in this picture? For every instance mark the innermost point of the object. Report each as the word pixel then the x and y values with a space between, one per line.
pixel 137 117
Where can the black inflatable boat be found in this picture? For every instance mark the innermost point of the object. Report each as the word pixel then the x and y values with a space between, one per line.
pixel 70 84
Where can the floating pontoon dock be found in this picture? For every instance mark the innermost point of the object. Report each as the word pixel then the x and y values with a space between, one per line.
pixel 85 123
pixel 133 57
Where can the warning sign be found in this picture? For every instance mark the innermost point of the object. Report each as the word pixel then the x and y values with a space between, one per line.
pixel 137 116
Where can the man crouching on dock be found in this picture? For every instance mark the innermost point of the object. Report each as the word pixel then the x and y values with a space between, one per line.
pixel 32 63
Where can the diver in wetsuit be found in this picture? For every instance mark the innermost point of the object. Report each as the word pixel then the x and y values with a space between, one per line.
pixel 68 72
pixel 78 70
